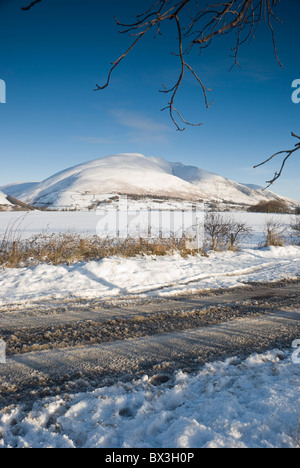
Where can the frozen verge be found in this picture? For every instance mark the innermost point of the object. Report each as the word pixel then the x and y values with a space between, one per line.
pixel 232 403
pixel 149 276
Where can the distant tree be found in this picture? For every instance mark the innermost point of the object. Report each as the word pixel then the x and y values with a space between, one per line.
pixel 272 206
pixel 197 25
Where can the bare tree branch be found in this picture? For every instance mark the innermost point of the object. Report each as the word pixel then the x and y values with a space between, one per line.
pixel 197 25
pixel 116 63
pixel 288 154
pixel 31 5
pixel 175 88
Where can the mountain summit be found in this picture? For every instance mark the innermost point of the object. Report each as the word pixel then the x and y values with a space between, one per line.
pixel 134 175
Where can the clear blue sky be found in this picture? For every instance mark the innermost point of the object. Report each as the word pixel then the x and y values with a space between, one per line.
pixel 52 57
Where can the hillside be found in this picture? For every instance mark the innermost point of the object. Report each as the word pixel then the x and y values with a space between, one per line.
pixel 4 203
pixel 9 203
pixel 221 189
pixel 136 175
pixel 3 199
pixel 121 174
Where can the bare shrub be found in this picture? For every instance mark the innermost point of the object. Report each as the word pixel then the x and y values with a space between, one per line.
pixel 238 231
pixel 223 232
pixel 295 227
pixel 275 233
pixel 216 230
pixel 10 243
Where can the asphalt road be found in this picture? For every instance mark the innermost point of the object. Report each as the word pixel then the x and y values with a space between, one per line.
pixel 62 348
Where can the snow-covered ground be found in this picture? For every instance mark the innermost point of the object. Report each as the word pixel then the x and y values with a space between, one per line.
pixel 83 222
pixel 115 277
pixel 237 403
pixel 160 276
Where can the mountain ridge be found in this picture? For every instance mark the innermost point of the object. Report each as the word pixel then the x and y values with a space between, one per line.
pixel 133 173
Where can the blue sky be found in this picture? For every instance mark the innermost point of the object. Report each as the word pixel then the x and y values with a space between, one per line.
pixel 52 57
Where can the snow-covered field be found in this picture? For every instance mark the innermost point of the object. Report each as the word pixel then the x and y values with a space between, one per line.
pixel 83 222
pixel 115 277
pixel 235 403
pixel 253 403
pixel 153 276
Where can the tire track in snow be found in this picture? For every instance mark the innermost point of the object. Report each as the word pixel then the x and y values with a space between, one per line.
pixel 270 319
pixel 201 277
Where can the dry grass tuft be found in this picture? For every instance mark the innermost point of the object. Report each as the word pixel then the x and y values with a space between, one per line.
pixel 69 248
pixel 275 233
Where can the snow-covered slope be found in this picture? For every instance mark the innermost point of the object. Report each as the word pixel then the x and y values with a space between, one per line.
pixel 3 200
pixel 17 189
pixel 134 174
pixel 124 174
pixel 220 189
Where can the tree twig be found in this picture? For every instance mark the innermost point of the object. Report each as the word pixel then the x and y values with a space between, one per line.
pixel 288 154
pixel 31 5
pixel 198 25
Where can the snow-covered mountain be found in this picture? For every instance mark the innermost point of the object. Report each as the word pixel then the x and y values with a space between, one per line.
pixel 3 200
pixel 134 174
pixel 124 174
pixel 18 189
pixel 221 189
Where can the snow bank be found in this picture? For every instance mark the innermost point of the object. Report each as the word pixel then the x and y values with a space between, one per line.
pixel 236 404
pixel 159 276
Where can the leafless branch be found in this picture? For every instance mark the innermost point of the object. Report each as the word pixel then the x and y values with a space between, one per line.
pixel 175 88
pixel 116 63
pixel 197 25
pixel 31 5
pixel 288 154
